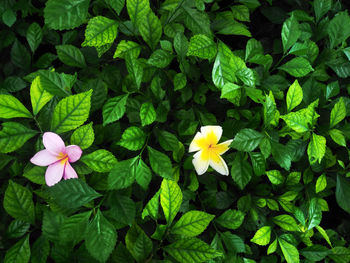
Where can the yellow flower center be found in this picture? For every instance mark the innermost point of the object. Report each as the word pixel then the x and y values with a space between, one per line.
pixel 63 157
pixel 210 149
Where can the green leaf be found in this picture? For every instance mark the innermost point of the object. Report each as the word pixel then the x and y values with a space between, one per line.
pixel 294 96
pixel 338 137
pixel 258 163
pixel 338 113
pixel 160 58
pixel 289 251
pixel 241 171
pixel 137 10
pixel 180 81
pixel 272 247
pixel 321 7
pixel 100 31
pixel 290 33
pixel 231 92
pixel 117 5
pixel 13 135
pixel 316 252
pixel 72 193
pixel 147 113
pixel 65 14
pixel 324 234
pixel 152 207
pixel 338 29
pixel 10 107
pixel 340 254
pixel 342 192
pixel 150 29
pixel 124 47
pixel 135 69
pixel 296 121
pixel 36 174
pixel 202 46
pixel 138 243
pixel 101 161
pixel 167 140
pixel 71 56
pixel 196 21
pixel 114 109
pixel 73 229
pixel 56 83
pixel 275 177
pixel 170 199
pixel 240 12
pixel 34 36
pixel 315 213
pixel 17 228
pixel 122 175
pixel 18 202
pixel 133 138
pixel 9 17
pixel 192 223
pixel 38 95
pixel 233 242
pixel 40 250
pixel 297 67
pixel 143 174
pixel 231 219
pixel 160 163
pixel 191 250
pixel 71 112
pixel 83 136
pixel 262 236
pixel 19 252
pixel 123 209
pixel 321 183
pixel 246 140
pixel 20 56
pixel 286 222
pixel 51 224
pixel 100 238
pixel 316 148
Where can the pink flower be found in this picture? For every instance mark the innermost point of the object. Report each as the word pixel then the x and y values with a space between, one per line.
pixel 58 157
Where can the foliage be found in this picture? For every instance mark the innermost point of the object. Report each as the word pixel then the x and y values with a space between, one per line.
pixel 131 82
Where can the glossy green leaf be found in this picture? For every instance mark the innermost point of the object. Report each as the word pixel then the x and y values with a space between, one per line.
pixel 10 107
pixel 143 174
pixel 160 163
pixel 338 29
pixel 316 148
pixel 168 141
pixel 202 46
pixel 122 175
pixel 123 209
pixel 286 222
pixel 147 113
pixel 71 112
pixel 150 28
pixel 100 31
pixel 138 243
pixel 342 192
pixel 321 7
pixel 160 58
pixel 246 140
pixel 117 5
pixel 240 12
pixel 38 95
pixel 56 83
pixel 130 47
pixel 114 109
pixel 101 161
pixel 275 177
pixel 71 56
pixel 34 36
pixel 296 121
pixel 137 10
pixel 297 67
pixel 74 227
pixel 338 137
pixel 152 207
pixel 321 183
pixel 19 252
pixel 289 251
pixel 170 199
pixel 241 171
pixel 314 213
pixel 231 219
pixel 294 96
pixel 133 138
pixel 290 33
pixel 262 236
pixel 338 113
pixel 83 136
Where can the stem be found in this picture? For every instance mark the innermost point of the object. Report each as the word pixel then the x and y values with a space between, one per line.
pixel 38 124
pixel 278 63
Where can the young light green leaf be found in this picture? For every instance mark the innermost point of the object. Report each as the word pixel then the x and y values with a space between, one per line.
pixel 100 238
pixel 101 161
pixel 338 137
pixel 262 236
pixel 296 121
pixel 321 183
pixel 38 95
pixel 286 222
pixel 191 250
pixel 314 213
pixel 71 112
pixel 18 202
pixel 246 140
pixel 133 138
pixel 65 14
pixel 316 148
pixel 289 251
pixel 34 36
pixel 100 31
pixel 170 199
pixel 231 219
pixel 297 67
pixel 114 109
pixel 84 136
pixel 71 56
pixel 125 46
pixel 147 113
pixel 10 107
pixel 19 252
pixel 13 135
pixel 275 177
pixel 202 46
pixel 122 175
pixel 290 33
pixel 160 163
pixel 294 96
pixel 152 207
pixel 192 223
pixel 36 174
pixel 231 92
pixel 338 113
pixel 137 10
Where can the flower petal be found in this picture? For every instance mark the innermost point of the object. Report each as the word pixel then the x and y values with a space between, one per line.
pixel 219 165
pixel 53 143
pixel 196 143
pixel 223 147
pixel 44 158
pixel 74 153
pixel 212 133
pixel 54 173
pixel 69 172
pixel 200 164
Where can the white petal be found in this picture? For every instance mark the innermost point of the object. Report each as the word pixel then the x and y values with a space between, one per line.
pixel 217 130
pixel 200 165
pixel 219 166
pixel 194 146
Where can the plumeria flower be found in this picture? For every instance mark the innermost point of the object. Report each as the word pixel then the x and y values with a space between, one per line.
pixel 205 143
pixel 58 157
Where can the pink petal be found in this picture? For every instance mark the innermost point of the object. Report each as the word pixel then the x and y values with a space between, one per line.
pixel 74 152
pixel 44 158
pixel 69 172
pixel 54 173
pixel 53 143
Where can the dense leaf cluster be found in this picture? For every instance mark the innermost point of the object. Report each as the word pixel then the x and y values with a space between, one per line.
pixel 131 82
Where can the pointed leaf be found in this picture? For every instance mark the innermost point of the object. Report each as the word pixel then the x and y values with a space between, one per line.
pixel 101 161
pixel 100 31
pixel 170 199
pixel 10 107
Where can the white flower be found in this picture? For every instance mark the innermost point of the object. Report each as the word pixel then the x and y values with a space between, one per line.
pixel 209 151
